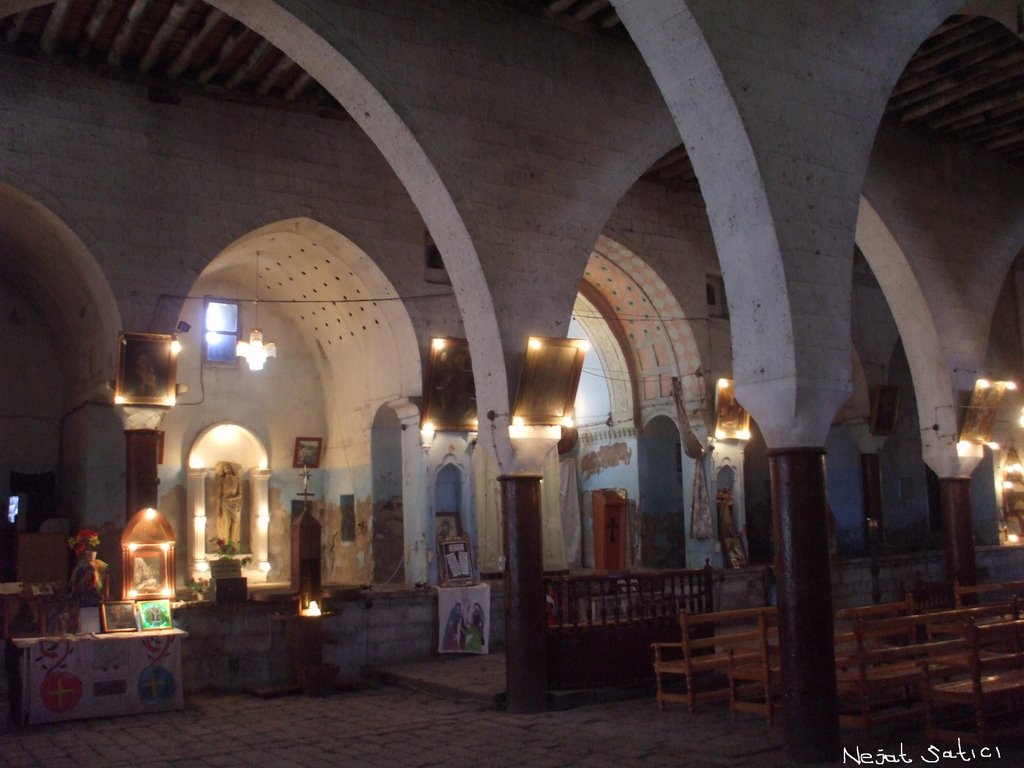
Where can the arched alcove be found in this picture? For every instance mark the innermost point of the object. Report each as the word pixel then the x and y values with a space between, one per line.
pixel 388 500
pixel 228 483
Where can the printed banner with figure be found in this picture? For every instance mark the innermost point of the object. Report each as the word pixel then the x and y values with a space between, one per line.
pixel 464 619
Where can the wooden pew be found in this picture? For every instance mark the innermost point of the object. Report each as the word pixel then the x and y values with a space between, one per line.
pixel 986 678
pixel 877 673
pixel 877 611
pixel 709 642
pixel 978 593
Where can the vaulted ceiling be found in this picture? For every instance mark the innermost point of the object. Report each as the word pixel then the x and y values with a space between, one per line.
pixel 966 79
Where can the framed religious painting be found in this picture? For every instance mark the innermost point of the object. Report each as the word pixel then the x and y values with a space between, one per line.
pixel 155 614
pixel 885 407
pixel 146 369
pixel 449 398
pixel 307 452
pixel 548 381
pixel 732 422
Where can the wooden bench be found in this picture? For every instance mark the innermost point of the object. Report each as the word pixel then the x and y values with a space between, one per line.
pixel 877 611
pixel 755 681
pixel 877 672
pixel 985 680
pixel 977 593
pixel 709 643
pixel 953 623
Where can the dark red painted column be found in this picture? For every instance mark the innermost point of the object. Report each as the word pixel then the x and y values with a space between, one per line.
pixel 806 641
pixel 871 489
pixel 958 529
pixel 525 620
pixel 141 477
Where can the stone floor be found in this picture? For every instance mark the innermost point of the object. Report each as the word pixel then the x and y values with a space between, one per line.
pixel 441 713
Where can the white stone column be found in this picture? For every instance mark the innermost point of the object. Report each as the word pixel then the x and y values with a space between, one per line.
pixel 259 484
pixel 414 493
pixel 196 502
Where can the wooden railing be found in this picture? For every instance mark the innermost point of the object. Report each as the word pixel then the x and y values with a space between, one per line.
pixel 600 627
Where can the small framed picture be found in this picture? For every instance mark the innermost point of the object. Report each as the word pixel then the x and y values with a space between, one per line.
pixel 118 616
pixel 146 369
pixel 307 452
pixel 456 562
pixel 155 614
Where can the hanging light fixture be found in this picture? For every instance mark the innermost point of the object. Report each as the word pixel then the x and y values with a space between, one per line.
pixel 254 350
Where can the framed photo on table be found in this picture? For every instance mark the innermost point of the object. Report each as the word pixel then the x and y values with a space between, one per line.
pixel 307 452
pixel 155 614
pixel 118 616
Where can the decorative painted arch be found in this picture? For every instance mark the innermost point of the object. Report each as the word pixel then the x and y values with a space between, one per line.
pixel 662 342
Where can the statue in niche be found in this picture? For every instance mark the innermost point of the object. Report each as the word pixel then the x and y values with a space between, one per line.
pixel 228 486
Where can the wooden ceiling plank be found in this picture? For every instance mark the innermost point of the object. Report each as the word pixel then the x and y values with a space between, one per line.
pixel 993 128
pixel 669 158
pixel 92 29
pixel 1012 96
pixel 1007 142
pixel 171 23
pixel 922 62
pixel 950 35
pixel 990 116
pixel 15 30
pixel 247 66
pixel 953 64
pixel 126 34
pixel 295 89
pixel 611 20
pixel 282 65
pixel 226 49
pixel 184 59
pixel 590 8
pixel 961 91
pixel 54 26
pixel 560 6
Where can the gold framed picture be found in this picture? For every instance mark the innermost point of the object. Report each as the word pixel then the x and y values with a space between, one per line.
pixel 146 369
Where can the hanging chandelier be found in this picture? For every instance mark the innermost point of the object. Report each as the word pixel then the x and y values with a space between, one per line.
pixel 255 351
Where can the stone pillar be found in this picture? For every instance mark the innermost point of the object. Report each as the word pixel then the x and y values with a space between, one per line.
pixel 805 603
pixel 196 502
pixel 958 529
pixel 259 518
pixel 141 477
pixel 525 621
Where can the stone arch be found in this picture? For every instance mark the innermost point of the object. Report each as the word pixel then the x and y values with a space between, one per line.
pixel 931 375
pixel 389 132
pixel 662 512
pixel 57 271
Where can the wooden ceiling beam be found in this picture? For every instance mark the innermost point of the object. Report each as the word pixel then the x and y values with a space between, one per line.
pixel 92 29
pixel 171 23
pixel 611 20
pixel 982 132
pixel 949 66
pixel 1006 142
pixel 588 9
pixel 126 34
pixel 955 92
pixel 923 59
pixel 560 6
pixel 1004 97
pixel 270 79
pixel 184 58
pixel 247 66
pixel 226 49
pixel 14 31
pixel 296 88
pixel 54 26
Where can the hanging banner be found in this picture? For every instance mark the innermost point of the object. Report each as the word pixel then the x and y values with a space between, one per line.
pixel 702 525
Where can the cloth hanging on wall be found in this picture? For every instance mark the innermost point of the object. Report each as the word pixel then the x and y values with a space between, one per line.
pixel 692 445
pixel 572 528
pixel 702 525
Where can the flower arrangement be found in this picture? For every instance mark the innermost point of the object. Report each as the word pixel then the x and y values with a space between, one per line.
pixel 85 540
pixel 201 587
pixel 228 549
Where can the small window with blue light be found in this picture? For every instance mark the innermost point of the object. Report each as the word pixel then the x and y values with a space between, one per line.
pixel 221 331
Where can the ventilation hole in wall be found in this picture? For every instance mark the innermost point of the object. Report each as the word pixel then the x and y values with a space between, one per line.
pixel 375 303
pixel 338 278
pixel 302 317
pixel 364 327
pixel 344 297
pixel 362 308
pixel 290 256
pixel 315 267
pixel 350 314
pixel 302 272
pixel 337 320
pixel 302 250
pixel 325 285
pixel 291 279
pixel 280 283
pixel 376 321
pixel 341 338
pixel 351 333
